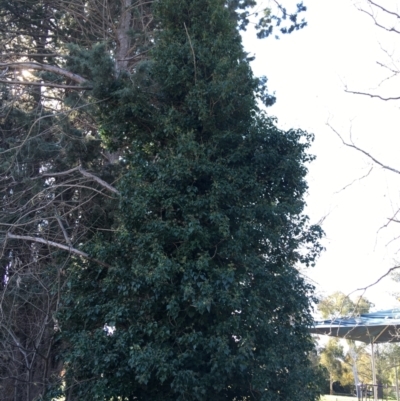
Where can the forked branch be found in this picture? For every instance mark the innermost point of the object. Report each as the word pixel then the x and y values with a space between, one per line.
pixel 351 145
pixel 376 281
pixel 85 174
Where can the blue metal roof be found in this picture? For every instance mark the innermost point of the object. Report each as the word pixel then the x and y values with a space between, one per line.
pixel 377 327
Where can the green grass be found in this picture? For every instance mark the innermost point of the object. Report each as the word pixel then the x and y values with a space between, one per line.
pixel 336 398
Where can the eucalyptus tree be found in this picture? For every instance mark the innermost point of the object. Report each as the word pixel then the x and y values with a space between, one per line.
pixel 332 358
pixel 339 304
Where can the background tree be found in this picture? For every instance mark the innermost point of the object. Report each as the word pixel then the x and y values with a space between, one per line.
pixel 339 304
pixel 385 17
pixel 332 357
pixel 392 362
pixel 55 171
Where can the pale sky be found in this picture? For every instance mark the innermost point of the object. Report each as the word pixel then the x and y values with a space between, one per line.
pixel 309 71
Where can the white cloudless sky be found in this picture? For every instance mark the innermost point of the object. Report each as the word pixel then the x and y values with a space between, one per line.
pixel 309 71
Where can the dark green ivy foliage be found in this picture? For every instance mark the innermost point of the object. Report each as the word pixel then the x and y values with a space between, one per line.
pixel 268 23
pixel 202 288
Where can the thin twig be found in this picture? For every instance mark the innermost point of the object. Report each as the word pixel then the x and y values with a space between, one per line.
pixel 357 179
pixel 372 95
pixel 350 145
pixel 375 282
pixel 393 29
pixel 194 56
pixel 384 9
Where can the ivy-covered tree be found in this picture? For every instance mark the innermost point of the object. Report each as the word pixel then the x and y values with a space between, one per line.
pixel 201 298
pixel 75 78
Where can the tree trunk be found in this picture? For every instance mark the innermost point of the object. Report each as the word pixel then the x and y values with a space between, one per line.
pixel 123 37
pixel 353 355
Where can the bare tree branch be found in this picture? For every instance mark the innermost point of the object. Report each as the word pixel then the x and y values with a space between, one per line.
pixel 357 179
pixel 395 72
pixel 32 55
pixel 85 174
pixel 372 95
pixel 98 180
pixel 392 29
pixel 67 240
pixel 390 219
pixel 47 84
pixel 384 9
pixel 44 67
pixel 56 245
pixel 351 145
pixel 375 282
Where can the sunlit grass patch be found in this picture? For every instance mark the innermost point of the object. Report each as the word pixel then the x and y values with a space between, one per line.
pixel 336 398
